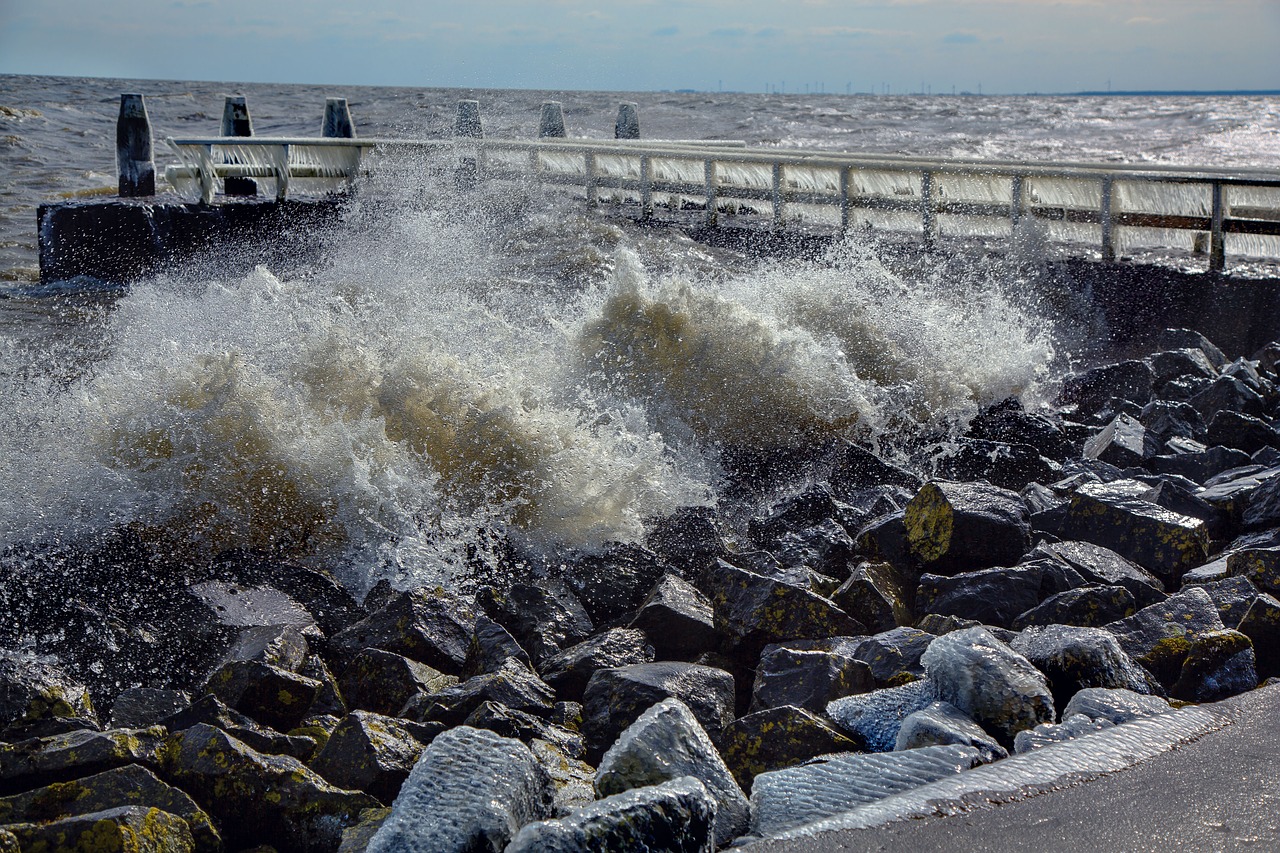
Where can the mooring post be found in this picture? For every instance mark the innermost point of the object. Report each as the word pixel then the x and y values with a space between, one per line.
pixel 628 124
pixel 1108 221
pixel 467 125
pixel 337 120
pixel 551 124
pixel 236 122
pixel 134 159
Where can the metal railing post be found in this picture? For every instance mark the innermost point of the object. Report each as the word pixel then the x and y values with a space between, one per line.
pixel 928 216
pixel 646 188
pixel 709 179
pixel 589 173
pixel 845 205
pixel 777 195
pixel 1217 240
pixel 237 122
pixel 1108 222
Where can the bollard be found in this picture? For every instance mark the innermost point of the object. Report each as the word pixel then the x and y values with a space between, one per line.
pixel 236 122
pixel 628 124
pixel 134 161
pixel 468 122
pixel 337 120
pixel 551 126
pixel 468 126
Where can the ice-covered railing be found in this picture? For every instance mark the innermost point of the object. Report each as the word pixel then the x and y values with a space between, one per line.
pixel 1111 207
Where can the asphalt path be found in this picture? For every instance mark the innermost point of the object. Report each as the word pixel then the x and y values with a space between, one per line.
pixel 1218 793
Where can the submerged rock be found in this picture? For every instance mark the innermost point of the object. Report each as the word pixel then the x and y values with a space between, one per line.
pixel 997 687
pixel 471 790
pixel 666 743
pixel 674 817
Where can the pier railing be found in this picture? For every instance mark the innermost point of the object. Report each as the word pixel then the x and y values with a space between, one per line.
pixel 928 195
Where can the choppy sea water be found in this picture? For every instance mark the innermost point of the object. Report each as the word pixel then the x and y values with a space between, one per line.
pixel 508 361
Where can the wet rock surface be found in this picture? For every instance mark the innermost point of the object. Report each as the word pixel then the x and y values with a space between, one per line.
pixel 840 619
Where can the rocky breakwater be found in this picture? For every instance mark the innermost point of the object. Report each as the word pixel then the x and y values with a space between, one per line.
pixel 842 630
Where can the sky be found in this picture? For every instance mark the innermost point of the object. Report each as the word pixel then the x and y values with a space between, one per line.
pixel 898 46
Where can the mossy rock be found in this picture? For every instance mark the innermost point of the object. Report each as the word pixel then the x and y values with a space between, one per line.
pixel 953 527
pixel 128 829
pixel 1218 665
pixel 776 738
pixel 60 758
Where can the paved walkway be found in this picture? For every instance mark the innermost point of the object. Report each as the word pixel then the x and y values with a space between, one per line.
pixel 1220 793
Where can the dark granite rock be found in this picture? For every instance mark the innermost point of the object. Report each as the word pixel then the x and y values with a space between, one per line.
pixel 884 539
pixel 38 762
pixel 825 547
pixel 1092 390
pixel 615 698
pixel 491 646
pixel 1087 607
pixel 1263 507
pixel 209 710
pixel 1191 339
pixel 319 592
pixel 990 596
pixel 140 707
pixel 796 512
pixel 38 698
pixel 1012 425
pixel 1233 429
pixel 1219 664
pixel 891 654
pixel 526 728
pixel 512 685
pixel 878 595
pixel 1172 364
pixel 1165 420
pixel 613 584
pixel 273 696
pixel 426 625
pixel 545 617
pixel 1232 596
pixel 259 798
pixel 571 670
pixel 1200 465
pixel 1261 624
pixel 1159 637
pixel 328 701
pixel 678 620
pixel 1008 466
pixel 778 737
pixel 691 537
pixel 1117 516
pixel 121 828
pixel 807 679
pixel 372 753
pixel 1075 658
pixel 1124 442
pixel 1230 394
pixel 954 527
pixel 383 682
pixel 1261 566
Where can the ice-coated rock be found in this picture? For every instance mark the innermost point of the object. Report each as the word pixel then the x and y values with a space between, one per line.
pixel 1114 704
pixel 1074 658
pixel 876 717
pixel 471 790
pixel 784 799
pixel 993 684
pixel 674 817
pixel 665 743
pixel 942 723
pixel 1047 733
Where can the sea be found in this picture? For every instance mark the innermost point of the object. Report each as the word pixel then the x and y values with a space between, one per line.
pixel 506 365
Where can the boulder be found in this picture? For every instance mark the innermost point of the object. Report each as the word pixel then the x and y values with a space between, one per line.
pixel 60 758
pixel 1094 389
pixel 329 700
pixel 140 707
pixel 131 785
pixel 990 596
pixel 878 595
pixel 273 696
pixel 612 584
pixel 470 790
pixel 893 655
pixel 427 625
pixel 1218 665
pixel 1260 565
pixel 941 723
pixel 1046 734
pixel 1190 361
pixel 691 537
pixel 794 512
pixel 1118 516
pixel 674 817
pixel 382 681
pixel 258 798
pixel 997 687
pixel 855 468
pixel 1232 596
pixel 526 728
pixel 953 527
pixel 615 698
pixel 1124 442
pixel 1159 636
pixel 1261 624
pixel 1008 466
pixel 825 547
pixel 677 618
pixel 873 719
pixel 128 829
pixel 666 743
pixel 1012 425
pixel 807 679
pixel 884 539
pixel 1073 659
pixel 785 799
pixel 512 685
pixel 211 711
pixel 569 671
pixel 1103 566
pixel 775 738
pixel 1166 420
pixel 38 698
pixel 372 753
pixel 1198 463
pixel 491 645
pixel 752 610
pixel 1227 393
pixel 572 780
pixel 545 617
pixel 318 591
pixel 1191 339
pixel 1116 705
pixel 1088 607
pixel 1233 429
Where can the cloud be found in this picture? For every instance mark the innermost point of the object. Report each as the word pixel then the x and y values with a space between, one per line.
pixel 729 32
pixel 960 38
pixel 664 32
pixel 845 32
pixel 1143 19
